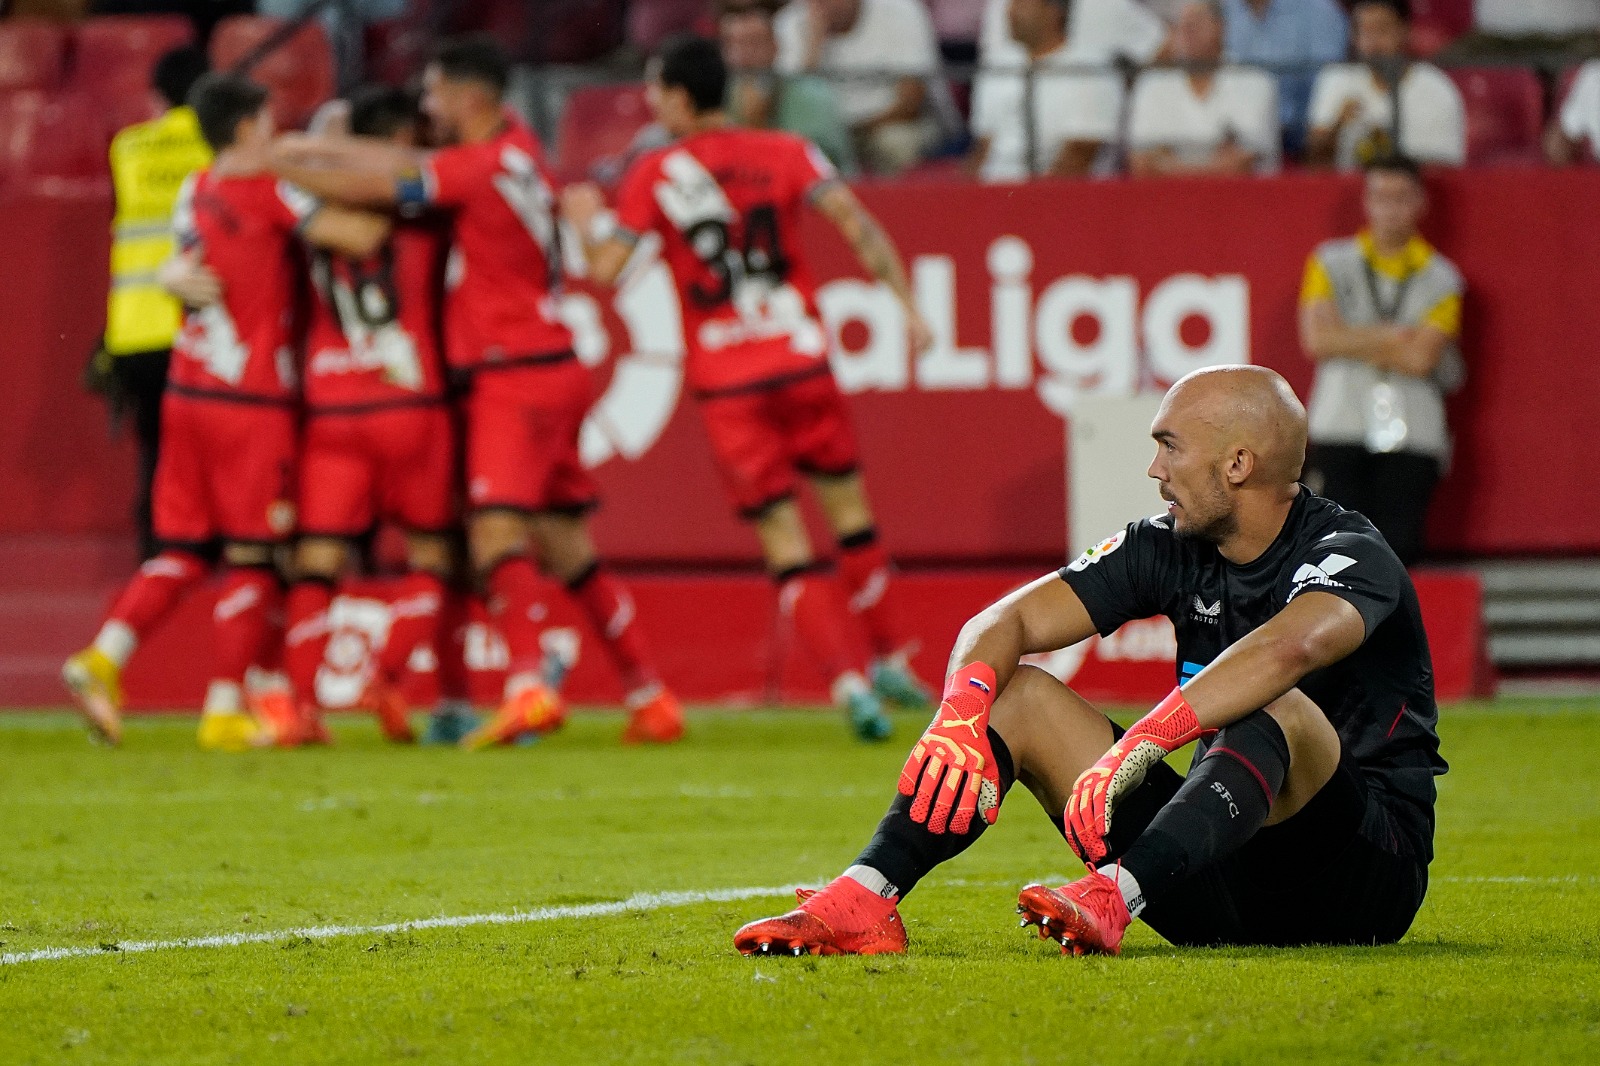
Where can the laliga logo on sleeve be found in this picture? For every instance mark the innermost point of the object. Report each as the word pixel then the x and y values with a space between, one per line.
pixel 1320 574
pixel 1098 552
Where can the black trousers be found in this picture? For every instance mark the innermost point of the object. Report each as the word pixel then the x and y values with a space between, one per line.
pixel 140 379
pixel 1391 489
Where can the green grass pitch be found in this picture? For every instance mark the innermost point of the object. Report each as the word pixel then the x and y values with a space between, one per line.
pixel 158 842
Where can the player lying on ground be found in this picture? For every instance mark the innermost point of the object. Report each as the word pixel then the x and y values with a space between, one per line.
pixel 227 465
pixel 727 204
pixel 1307 813
pixel 528 395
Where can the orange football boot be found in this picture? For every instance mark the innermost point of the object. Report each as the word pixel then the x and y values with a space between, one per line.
pixel 658 720
pixel 843 918
pixel 1087 917
pixel 389 704
pixel 534 711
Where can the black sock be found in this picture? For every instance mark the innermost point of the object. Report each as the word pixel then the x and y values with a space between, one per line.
pixel 904 851
pixel 1222 803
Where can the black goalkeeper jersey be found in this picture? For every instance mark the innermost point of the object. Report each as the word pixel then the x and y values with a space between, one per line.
pixel 1379 698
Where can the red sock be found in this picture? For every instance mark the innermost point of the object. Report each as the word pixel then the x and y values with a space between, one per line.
pixel 305 643
pixel 611 611
pixel 865 571
pixel 518 598
pixel 243 619
pixel 416 610
pixel 809 604
pixel 454 617
pixel 155 589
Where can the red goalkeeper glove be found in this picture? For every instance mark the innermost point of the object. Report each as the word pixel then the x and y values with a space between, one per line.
pixel 1149 740
pixel 956 749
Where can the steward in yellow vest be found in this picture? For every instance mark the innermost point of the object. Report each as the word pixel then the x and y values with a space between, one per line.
pixel 149 162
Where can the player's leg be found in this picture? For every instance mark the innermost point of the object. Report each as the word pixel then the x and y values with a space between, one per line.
pixel 868 579
pixel 320 560
pixel 242 623
pixel 749 439
pixel 508 467
pixel 811 607
pixel 94 675
pixel 1265 767
pixel 454 717
pixel 568 553
pixel 1042 734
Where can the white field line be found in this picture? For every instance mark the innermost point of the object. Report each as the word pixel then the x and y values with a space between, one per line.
pixel 644 901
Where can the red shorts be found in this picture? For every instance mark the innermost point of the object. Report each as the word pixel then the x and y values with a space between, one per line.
pixel 387 465
pixel 765 436
pixel 226 470
pixel 523 424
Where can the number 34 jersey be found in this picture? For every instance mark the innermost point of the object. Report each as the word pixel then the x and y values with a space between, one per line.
pixel 727 205
pixel 503 272
pixel 373 336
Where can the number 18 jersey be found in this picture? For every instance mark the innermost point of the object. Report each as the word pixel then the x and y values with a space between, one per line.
pixel 727 203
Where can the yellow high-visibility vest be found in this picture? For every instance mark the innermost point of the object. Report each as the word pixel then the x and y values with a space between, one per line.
pixel 149 161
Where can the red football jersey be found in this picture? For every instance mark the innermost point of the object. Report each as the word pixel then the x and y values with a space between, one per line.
pixel 727 204
pixel 373 336
pixel 244 228
pixel 504 266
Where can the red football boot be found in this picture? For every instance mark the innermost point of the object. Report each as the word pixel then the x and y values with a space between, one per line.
pixel 843 918
pixel 659 720
pixel 534 711
pixel 1087 917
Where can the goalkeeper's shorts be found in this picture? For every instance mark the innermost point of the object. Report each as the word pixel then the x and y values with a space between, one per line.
pixel 1345 869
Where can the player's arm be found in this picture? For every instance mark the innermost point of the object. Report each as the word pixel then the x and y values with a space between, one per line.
pixel 605 248
pixel 346 231
pixel 875 251
pixel 186 276
pixel 1046 615
pixel 345 169
pixel 1315 630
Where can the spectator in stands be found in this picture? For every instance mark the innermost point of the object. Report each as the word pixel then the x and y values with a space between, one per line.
pixel 1380 314
pixel 1054 118
pixel 1353 117
pixel 884 55
pixel 345 23
pixel 1575 134
pixel 1505 29
pixel 1112 31
pixel 149 162
pixel 1203 118
pixel 760 97
pixel 1292 37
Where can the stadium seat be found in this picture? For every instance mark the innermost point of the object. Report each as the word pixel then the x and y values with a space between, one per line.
pixel 1505 113
pixel 576 31
pixel 598 124
pixel 299 73
pixel 1436 23
pixel 51 135
pixel 114 56
pixel 651 22
pixel 33 54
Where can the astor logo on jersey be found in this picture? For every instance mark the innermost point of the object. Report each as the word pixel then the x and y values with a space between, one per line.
pixel 1098 552
pixel 1311 576
pixel 1203 613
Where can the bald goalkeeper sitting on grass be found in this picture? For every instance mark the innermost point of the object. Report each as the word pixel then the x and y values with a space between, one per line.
pixel 1304 677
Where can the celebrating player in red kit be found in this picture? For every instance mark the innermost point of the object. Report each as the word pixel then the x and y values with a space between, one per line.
pixel 228 421
pixel 528 394
pixel 727 203
pixel 378 443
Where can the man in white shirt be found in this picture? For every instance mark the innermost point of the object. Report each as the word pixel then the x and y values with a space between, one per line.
pixel 1202 118
pixel 1353 117
pixel 1110 30
pixel 881 54
pixel 1575 134
pixel 1536 18
pixel 1054 118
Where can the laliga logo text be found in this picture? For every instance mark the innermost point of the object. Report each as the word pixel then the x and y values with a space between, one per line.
pixel 1137 338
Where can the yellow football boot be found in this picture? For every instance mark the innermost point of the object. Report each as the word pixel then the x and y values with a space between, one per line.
pixel 95 682
pixel 232 732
